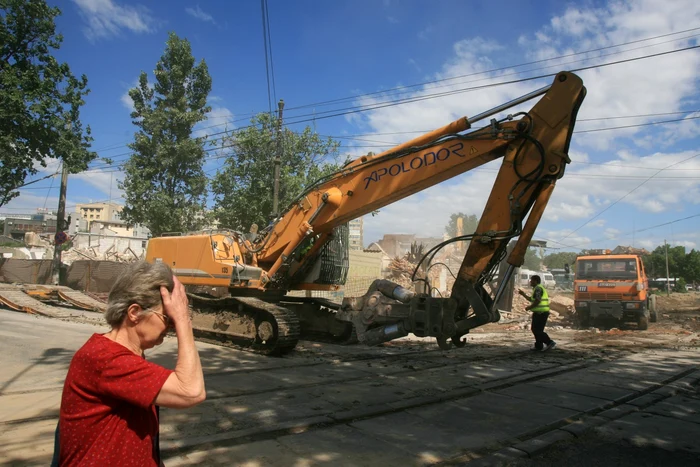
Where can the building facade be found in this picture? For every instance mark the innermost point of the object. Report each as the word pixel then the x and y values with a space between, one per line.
pixel 42 223
pixel 99 211
pixel 356 227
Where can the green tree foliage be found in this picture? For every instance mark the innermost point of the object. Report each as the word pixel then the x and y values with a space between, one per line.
pixel 532 260
pixel 691 267
pixel 243 187
pixel 680 285
pixel 469 224
pixel 40 99
pixel 558 260
pixel 655 263
pixel 681 265
pixel 164 185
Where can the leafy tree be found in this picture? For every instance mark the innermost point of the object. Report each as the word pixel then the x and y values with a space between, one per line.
pixel 655 264
pixel 691 267
pixel 469 224
pixel 243 188
pixel 40 99
pixel 165 186
pixel 558 260
pixel 680 286
pixel 532 260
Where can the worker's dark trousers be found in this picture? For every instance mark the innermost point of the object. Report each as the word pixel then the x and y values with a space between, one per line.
pixel 539 320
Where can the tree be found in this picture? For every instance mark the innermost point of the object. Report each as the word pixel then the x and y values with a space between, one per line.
pixel 243 187
pixel 40 99
pixel 469 224
pixel 691 267
pixel 532 261
pixel 164 185
pixel 655 263
pixel 558 260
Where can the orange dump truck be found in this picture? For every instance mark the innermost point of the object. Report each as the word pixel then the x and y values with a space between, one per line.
pixel 613 288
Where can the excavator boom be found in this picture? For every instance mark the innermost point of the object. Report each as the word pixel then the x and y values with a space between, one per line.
pixel 303 248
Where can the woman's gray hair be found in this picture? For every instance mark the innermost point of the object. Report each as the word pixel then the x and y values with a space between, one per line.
pixel 140 283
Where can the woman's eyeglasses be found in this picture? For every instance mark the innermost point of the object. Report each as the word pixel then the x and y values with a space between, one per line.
pixel 166 319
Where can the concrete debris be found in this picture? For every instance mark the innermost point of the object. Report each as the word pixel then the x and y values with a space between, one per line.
pixel 75 254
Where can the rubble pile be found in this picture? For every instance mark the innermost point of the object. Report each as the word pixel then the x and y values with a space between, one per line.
pixel 401 270
pixel 561 312
pixel 93 254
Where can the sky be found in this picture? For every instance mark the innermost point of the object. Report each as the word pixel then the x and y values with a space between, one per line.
pixel 632 180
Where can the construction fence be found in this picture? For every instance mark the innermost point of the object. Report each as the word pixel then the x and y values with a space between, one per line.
pixel 26 271
pixel 85 275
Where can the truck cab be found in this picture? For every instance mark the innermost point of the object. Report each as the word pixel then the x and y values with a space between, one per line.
pixel 614 288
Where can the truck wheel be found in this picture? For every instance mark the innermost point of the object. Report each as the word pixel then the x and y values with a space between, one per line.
pixel 583 319
pixel 643 323
pixel 653 315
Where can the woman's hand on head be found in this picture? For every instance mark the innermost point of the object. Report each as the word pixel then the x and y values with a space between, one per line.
pixel 175 304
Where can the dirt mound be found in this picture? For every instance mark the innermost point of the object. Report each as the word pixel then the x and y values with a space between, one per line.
pixel 678 301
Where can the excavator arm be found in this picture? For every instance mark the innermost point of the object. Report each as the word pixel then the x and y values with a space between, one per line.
pixel 535 154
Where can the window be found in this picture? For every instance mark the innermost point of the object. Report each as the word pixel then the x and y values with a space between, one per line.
pixel 606 269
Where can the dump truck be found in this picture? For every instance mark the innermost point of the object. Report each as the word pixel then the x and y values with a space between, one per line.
pixel 610 287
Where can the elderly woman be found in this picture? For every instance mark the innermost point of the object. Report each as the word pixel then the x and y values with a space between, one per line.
pixel 108 410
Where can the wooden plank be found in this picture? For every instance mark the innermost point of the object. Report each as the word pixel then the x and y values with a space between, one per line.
pixel 15 298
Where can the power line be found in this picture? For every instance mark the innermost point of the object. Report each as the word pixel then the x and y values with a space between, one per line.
pixel 357 109
pixel 382 144
pixel 634 232
pixel 268 45
pixel 431 96
pixel 493 70
pixel 626 195
pixel 637 125
pixel 267 61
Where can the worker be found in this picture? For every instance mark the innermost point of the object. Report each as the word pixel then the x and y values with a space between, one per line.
pixel 539 305
pixel 109 407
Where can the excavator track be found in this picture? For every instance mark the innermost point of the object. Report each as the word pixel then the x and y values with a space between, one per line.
pixel 245 323
pixel 318 321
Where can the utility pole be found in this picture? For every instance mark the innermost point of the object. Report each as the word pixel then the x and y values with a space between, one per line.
pixel 278 162
pixel 668 280
pixel 60 219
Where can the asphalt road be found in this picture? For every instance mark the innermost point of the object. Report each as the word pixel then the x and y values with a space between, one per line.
pixel 493 402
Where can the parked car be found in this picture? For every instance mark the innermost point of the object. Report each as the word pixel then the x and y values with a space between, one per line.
pixel 547 278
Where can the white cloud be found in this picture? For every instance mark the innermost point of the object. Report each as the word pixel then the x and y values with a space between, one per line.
pixel 629 88
pixel 426 32
pixel 107 18
pixel 218 119
pixel 126 101
pixel 392 20
pixel 562 238
pixel 106 182
pixel 609 168
pixel 200 14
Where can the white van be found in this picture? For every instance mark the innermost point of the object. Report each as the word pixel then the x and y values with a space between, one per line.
pixel 547 278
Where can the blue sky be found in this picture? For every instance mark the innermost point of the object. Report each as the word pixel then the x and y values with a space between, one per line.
pixel 623 183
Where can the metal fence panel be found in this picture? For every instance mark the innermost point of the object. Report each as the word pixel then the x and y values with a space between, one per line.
pixel 26 271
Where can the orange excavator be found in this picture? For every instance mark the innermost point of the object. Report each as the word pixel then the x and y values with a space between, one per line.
pixel 306 246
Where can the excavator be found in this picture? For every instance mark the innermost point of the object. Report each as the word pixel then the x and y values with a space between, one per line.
pixel 306 246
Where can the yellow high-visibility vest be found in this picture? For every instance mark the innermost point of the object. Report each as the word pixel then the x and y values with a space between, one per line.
pixel 543 306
